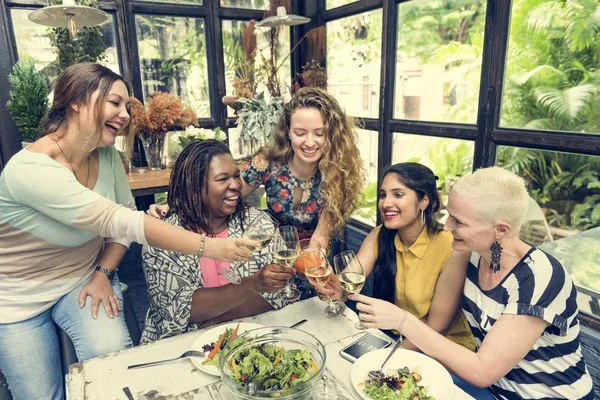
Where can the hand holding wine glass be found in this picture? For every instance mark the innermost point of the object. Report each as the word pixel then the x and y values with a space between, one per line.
pixel 286 249
pixel 350 273
pixel 319 271
pixel 261 229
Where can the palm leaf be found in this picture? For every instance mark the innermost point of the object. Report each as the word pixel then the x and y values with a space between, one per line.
pixel 541 124
pixel 545 16
pixel 543 73
pixel 566 105
pixel 582 25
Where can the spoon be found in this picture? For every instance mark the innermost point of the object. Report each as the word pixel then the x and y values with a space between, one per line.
pixel 378 374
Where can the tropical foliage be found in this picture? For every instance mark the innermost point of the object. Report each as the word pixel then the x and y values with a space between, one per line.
pixel 552 82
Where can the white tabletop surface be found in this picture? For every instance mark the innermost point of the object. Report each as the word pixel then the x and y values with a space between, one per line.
pixel 105 377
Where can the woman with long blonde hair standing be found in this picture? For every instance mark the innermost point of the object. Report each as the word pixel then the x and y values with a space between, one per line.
pixel 312 171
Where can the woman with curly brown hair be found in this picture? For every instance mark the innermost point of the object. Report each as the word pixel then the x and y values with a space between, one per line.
pixel 312 169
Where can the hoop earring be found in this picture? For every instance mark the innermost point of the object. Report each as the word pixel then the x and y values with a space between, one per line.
pixel 496 249
pixel 422 217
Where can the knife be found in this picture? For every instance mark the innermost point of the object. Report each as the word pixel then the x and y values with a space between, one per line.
pixel 298 323
pixel 128 393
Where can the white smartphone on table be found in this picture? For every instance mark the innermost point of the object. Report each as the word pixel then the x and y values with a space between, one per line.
pixel 363 345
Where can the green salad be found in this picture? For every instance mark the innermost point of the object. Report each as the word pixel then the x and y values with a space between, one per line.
pixel 271 367
pixel 214 349
pixel 400 384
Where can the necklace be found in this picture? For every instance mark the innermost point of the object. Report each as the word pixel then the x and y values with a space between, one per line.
pixel 73 168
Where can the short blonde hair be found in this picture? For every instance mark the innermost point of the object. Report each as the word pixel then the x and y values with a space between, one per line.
pixel 495 195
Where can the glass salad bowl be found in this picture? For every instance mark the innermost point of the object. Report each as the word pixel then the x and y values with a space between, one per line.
pixel 272 362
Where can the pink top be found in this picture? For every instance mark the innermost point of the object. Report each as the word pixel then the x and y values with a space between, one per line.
pixel 209 268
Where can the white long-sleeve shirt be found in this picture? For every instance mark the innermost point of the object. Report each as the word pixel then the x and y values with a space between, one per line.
pixel 53 229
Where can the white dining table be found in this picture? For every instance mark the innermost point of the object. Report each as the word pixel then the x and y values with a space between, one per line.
pixel 105 377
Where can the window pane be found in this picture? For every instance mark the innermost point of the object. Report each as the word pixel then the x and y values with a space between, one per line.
pixel 552 78
pixel 338 3
pixel 449 159
pixel 367 144
pixel 565 211
pixel 33 40
pixel 254 4
pixel 438 67
pixel 173 59
pixel 255 71
pixel 354 62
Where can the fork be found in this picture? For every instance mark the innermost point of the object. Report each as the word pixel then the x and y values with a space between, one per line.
pixel 189 353
pixel 378 374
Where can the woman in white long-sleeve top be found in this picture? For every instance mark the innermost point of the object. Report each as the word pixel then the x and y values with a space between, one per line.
pixel 66 219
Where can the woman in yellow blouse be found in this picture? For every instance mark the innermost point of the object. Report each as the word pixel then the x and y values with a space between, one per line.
pixel 411 257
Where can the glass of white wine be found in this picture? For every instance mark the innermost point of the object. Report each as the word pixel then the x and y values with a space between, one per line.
pixel 318 271
pixel 350 273
pixel 286 249
pixel 261 229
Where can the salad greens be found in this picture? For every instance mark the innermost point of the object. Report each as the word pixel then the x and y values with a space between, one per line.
pixel 398 384
pixel 215 348
pixel 271 367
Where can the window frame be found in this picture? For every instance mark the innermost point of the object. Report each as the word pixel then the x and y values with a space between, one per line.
pixel 486 132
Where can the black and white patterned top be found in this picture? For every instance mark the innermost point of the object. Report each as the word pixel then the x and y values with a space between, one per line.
pixel 172 278
pixel 538 286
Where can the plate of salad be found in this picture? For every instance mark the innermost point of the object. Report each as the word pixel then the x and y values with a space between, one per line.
pixel 408 376
pixel 213 341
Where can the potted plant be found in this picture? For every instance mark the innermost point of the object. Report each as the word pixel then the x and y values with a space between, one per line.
pixel 257 119
pixel 163 113
pixel 28 99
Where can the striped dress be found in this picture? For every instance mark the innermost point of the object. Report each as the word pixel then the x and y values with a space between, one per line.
pixel 538 286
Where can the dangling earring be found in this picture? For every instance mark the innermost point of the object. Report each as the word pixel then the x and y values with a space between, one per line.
pixel 496 254
pixel 422 217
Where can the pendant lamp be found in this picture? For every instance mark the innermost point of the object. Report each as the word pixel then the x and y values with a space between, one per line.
pixel 282 18
pixel 68 15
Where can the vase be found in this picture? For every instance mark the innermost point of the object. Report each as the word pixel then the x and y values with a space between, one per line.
pixel 154 146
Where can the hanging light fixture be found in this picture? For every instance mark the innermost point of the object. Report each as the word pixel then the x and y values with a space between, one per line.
pixel 282 18
pixel 68 15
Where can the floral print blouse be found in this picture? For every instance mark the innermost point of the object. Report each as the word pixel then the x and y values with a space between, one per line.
pixel 279 186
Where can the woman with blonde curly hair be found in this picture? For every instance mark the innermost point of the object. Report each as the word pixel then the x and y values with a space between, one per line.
pixel 312 169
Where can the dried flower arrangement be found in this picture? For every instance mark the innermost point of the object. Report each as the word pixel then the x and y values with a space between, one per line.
pixel 163 112
pixel 313 73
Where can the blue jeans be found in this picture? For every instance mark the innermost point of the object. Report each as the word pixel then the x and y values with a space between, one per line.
pixel 30 353
pixel 473 391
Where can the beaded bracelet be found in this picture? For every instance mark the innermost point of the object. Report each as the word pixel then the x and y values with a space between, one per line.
pixel 202 242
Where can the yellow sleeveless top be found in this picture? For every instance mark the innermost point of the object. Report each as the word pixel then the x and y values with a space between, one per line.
pixel 418 269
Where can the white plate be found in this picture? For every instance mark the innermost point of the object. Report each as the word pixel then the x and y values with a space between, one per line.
pixel 213 335
pixel 435 377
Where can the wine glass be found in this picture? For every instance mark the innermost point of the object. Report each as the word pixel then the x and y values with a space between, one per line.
pixel 350 273
pixel 301 262
pixel 325 389
pixel 260 229
pixel 318 272
pixel 286 249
